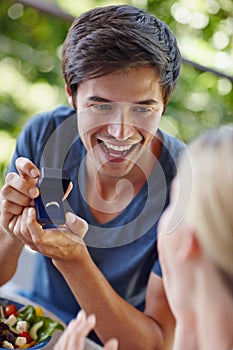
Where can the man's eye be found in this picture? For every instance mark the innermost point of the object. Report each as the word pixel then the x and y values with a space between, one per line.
pixel 144 111
pixel 100 108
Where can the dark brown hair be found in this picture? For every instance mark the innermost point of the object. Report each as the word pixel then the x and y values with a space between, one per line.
pixel 114 38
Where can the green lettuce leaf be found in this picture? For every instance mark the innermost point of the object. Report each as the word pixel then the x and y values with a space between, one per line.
pixel 49 326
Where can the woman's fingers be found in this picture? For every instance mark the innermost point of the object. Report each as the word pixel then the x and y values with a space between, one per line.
pixel 76 332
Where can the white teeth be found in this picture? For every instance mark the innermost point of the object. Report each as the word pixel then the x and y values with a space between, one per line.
pixel 118 148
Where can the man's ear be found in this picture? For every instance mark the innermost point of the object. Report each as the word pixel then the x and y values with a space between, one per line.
pixel 189 246
pixel 69 95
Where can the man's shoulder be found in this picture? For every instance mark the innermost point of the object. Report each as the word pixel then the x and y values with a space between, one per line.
pixel 56 115
pixel 172 144
pixel 172 148
pixel 45 123
pixel 170 140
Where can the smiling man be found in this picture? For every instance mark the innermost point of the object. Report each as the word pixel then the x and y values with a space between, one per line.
pixel 118 136
pixel 120 66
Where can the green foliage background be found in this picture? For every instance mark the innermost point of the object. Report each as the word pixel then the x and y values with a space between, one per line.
pixel 30 73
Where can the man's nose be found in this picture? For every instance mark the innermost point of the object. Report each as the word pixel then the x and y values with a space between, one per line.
pixel 120 131
pixel 121 127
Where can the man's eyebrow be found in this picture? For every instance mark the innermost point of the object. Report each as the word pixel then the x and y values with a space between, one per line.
pixel 147 102
pixel 101 99
pixel 98 99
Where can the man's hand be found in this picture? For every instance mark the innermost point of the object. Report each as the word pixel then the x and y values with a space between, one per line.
pixel 18 193
pixel 62 243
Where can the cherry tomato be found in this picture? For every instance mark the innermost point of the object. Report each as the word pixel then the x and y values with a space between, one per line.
pixel 10 310
pixel 27 336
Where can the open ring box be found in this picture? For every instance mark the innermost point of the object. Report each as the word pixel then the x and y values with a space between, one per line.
pixel 53 184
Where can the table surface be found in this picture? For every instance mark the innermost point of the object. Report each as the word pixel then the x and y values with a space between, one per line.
pixel 8 293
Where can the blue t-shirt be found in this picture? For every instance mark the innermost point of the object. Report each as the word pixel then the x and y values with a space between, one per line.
pixel 124 249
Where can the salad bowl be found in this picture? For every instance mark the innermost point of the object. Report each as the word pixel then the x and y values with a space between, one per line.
pixel 40 326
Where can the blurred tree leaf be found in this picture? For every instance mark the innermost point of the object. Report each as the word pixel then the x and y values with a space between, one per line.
pixel 30 67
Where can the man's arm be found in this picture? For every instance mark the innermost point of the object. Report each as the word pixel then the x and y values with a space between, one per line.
pixel 9 254
pixel 116 318
pixel 157 307
pixel 15 195
pixel 11 247
pixel 152 330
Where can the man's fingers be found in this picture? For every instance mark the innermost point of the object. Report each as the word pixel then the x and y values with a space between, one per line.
pixel 16 187
pixel 10 208
pixel 12 223
pixel 69 189
pixel 77 225
pixel 112 344
pixel 26 168
pixel 34 227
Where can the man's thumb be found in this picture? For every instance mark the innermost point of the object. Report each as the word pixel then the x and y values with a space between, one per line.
pixel 76 224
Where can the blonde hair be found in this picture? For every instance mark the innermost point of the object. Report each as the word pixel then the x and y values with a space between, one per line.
pixel 210 209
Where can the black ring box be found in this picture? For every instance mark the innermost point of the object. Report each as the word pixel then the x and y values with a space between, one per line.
pixel 52 184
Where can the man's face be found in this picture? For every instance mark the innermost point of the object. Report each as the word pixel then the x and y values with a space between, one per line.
pixel 118 116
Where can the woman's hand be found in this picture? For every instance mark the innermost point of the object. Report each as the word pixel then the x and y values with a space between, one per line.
pixel 74 336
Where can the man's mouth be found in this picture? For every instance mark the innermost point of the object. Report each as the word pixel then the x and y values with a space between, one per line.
pixel 116 150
